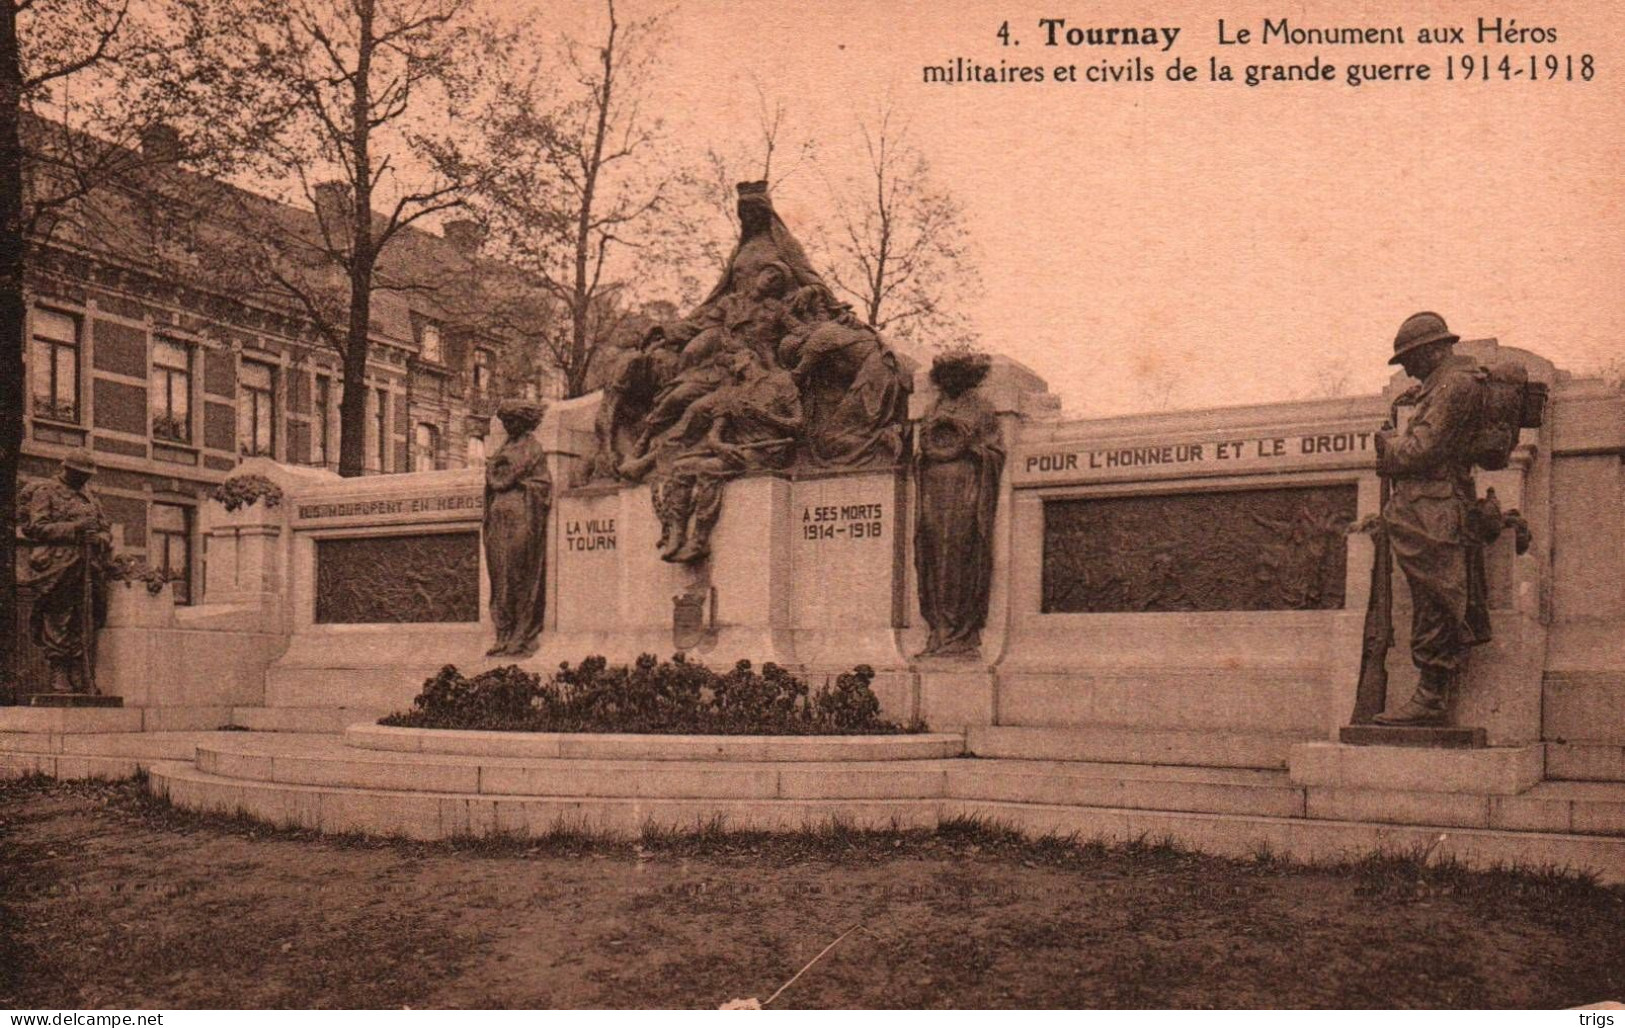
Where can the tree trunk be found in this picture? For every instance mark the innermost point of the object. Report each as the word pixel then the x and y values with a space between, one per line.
pixel 353 408
pixel 13 311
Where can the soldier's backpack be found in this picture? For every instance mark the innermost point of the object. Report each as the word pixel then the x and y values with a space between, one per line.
pixel 1509 403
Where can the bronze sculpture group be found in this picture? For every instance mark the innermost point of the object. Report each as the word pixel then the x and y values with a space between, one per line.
pixel 769 374
pixel 770 371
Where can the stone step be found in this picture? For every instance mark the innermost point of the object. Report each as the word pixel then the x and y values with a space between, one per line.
pixel 428 815
pixel 1583 808
pixel 425 815
pixel 1128 786
pixel 606 746
pixel 1585 761
pixel 329 720
pixel 82 755
pixel 321 761
pixel 1307 839
pixel 1114 744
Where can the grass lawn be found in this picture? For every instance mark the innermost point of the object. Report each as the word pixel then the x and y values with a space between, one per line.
pixel 109 899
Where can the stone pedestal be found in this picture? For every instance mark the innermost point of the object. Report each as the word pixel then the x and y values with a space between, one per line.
pixel 1493 771
pixel 806 573
pixel 1442 736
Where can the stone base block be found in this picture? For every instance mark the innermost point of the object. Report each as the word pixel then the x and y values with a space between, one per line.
pixel 953 699
pixel 1492 771
pixel 70 720
pixel 73 699
pixel 1446 737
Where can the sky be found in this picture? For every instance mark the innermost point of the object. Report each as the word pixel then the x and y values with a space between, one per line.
pixel 1217 243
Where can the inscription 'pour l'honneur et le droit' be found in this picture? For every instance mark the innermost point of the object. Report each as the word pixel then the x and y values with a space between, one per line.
pixel 1214 451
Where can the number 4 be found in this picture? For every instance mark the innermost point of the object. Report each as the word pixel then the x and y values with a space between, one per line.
pixel 1004 34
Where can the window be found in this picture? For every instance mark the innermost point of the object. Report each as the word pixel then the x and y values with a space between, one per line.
pixel 169 546
pixel 429 342
pixel 256 407
pixel 425 448
pixel 54 375
pixel 171 394
pixel 380 415
pixel 476 451
pixel 321 441
pixel 482 372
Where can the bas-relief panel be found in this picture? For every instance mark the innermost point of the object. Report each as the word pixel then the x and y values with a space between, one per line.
pixel 398 579
pixel 1254 549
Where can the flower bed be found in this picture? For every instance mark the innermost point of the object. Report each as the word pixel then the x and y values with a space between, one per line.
pixel 675 697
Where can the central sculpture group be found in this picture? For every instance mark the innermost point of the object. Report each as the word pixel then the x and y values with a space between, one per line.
pixel 769 373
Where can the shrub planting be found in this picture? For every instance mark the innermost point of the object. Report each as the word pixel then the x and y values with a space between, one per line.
pixel 670 697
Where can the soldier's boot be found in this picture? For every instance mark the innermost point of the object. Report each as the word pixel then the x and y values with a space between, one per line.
pixel 60 679
pixel 1427 705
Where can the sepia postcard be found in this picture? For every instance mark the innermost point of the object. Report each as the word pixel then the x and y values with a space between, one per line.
pixel 861 504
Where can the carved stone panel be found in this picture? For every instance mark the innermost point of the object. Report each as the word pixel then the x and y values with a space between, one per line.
pixel 398 579
pixel 1252 549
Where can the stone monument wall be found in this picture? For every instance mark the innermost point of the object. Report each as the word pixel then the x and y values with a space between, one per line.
pixel 1182 572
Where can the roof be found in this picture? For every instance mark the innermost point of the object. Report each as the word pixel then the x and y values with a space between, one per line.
pixel 211 234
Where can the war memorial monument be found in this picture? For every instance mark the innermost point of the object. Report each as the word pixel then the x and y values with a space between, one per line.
pixel 1325 627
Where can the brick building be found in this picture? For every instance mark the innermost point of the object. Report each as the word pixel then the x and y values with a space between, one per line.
pixel 137 355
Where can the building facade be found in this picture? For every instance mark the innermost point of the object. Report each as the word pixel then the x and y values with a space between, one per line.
pixel 168 385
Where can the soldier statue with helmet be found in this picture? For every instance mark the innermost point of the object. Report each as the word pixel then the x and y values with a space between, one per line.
pixel 67 568
pixel 1461 414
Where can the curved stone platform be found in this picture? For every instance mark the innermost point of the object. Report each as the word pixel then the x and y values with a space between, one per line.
pixel 622 786
pixel 596 746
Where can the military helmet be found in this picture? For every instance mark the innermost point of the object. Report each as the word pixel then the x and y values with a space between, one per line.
pixel 1420 330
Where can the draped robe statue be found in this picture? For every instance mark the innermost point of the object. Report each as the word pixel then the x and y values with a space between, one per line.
pixel 518 496
pixel 957 467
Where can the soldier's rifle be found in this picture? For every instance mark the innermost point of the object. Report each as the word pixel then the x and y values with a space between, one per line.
pixel 87 611
pixel 1371 694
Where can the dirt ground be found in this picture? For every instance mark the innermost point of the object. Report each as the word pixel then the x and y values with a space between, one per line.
pixel 109 900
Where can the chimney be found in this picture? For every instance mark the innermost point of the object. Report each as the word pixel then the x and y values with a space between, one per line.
pixel 333 204
pixel 465 234
pixel 161 143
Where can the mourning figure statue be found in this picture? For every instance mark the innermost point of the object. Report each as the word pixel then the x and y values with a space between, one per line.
pixel 518 496
pixel 67 568
pixel 767 370
pixel 957 466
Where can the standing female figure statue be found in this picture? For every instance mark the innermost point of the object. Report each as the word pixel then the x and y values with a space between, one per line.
pixel 518 496
pixel 957 466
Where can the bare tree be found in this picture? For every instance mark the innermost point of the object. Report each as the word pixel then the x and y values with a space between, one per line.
pixel 81 83
pixel 1333 378
pixel 723 168
pixel 351 107
pixel 1157 383
pixel 900 250
pixel 577 185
